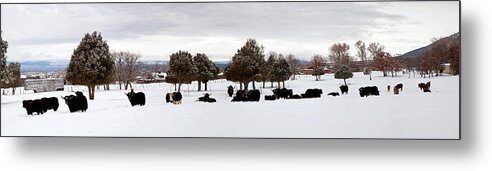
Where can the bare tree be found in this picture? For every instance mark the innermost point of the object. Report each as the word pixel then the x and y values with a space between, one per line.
pixel 294 64
pixel 318 64
pixel 125 67
pixel 362 54
pixel 339 55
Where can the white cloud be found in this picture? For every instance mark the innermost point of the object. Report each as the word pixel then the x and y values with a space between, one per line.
pixel 219 29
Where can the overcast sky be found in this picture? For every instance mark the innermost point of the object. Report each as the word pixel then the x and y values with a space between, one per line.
pixel 53 31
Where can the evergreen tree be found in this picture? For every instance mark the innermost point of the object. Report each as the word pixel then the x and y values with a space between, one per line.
pixel 272 58
pixel 246 64
pixel 171 79
pixel 91 63
pixel 182 68
pixel 280 71
pixel 3 59
pixel 343 73
pixel 206 70
pixel 13 78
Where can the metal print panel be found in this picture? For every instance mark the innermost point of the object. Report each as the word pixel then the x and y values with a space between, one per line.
pixel 363 70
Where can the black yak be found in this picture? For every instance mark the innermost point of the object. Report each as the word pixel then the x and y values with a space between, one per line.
pixel 334 94
pixel 282 93
pixel 136 98
pixel 270 97
pixel 399 86
pixel 344 89
pixel 425 87
pixel 206 98
pixel 254 95
pixel 50 103
pixel 369 90
pixel 230 91
pixel 33 106
pixel 244 96
pixel 312 93
pixel 77 102
pixel 295 96
pixel 396 90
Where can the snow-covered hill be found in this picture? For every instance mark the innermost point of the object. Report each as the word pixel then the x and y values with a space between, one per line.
pixel 412 114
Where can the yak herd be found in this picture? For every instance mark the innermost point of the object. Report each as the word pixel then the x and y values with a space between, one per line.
pixel 78 102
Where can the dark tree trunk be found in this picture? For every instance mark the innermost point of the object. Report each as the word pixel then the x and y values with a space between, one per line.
pixel 199 85
pixel 240 86
pixel 344 81
pixel 263 84
pixel 91 88
pixel 283 84
pixel 254 87
pixel 278 84
pixel 246 84
pixel 179 87
pixel 13 90
pixel 206 85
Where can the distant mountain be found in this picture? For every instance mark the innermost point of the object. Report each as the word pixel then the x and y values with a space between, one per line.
pixel 420 51
pixel 43 66
pixel 415 53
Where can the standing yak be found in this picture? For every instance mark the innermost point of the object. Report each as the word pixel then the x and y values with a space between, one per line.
pixel 230 90
pixel 77 102
pixel 33 106
pixel 174 97
pixel 136 98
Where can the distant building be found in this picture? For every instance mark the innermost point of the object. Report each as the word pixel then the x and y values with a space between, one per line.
pixel 44 85
pixel 307 69
pixel 446 68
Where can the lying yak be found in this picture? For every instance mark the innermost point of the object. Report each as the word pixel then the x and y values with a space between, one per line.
pixel 174 97
pixel 295 96
pixel 206 98
pixel 368 91
pixel 33 106
pixel 270 97
pixel 344 89
pixel 230 90
pixel 282 93
pixel 136 98
pixel 312 93
pixel 245 96
pixel 334 94
pixel 77 102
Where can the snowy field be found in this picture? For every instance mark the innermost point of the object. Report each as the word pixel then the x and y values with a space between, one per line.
pixel 411 114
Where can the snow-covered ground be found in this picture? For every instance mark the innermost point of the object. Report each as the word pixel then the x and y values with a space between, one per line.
pixel 412 114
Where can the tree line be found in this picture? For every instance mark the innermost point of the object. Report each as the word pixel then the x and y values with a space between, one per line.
pixel 93 64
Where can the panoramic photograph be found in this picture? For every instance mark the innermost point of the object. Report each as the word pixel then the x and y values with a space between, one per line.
pixel 363 70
